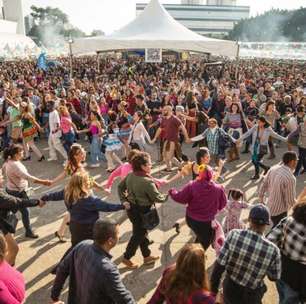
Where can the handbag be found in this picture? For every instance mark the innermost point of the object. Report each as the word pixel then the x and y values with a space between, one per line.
pixel 224 142
pixel 9 223
pixel 133 145
pixel 150 219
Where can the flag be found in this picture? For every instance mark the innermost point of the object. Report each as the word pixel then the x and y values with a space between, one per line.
pixel 42 62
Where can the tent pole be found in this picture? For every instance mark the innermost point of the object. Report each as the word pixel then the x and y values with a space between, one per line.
pixel 237 62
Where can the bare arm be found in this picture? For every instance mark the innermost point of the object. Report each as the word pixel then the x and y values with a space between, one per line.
pixel 60 177
pixel 182 127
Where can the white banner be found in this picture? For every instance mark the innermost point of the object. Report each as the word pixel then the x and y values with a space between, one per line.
pixel 154 55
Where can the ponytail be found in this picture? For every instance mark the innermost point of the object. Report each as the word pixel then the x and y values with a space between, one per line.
pixel 235 194
pixel 11 151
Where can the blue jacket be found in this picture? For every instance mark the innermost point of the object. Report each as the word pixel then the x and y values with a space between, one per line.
pixel 93 277
pixel 85 210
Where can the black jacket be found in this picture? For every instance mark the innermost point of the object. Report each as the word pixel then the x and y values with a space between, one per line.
pixel 9 203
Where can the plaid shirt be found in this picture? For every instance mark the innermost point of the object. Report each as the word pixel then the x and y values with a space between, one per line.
pixel 212 141
pixel 248 257
pixel 290 236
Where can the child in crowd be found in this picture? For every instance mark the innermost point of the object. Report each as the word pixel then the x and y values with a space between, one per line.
pixel 233 210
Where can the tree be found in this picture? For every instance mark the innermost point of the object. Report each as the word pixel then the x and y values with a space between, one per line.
pixel 274 25
pixel 51 26
pixel 97 33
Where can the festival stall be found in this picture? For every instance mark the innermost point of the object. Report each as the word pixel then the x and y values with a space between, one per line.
pixel 155 29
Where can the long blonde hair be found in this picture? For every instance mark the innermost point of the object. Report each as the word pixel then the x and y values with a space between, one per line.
pixel 77 188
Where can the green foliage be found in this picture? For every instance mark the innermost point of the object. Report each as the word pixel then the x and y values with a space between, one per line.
pixel 51 26
pixel 274 25
pixel 96 33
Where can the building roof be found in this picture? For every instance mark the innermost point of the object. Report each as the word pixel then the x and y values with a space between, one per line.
pixel 155 28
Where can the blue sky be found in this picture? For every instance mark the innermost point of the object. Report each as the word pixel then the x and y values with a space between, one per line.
pixel 110 15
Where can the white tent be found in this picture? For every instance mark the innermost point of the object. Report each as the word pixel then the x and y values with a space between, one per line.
pixel 16 45
pixel 155 28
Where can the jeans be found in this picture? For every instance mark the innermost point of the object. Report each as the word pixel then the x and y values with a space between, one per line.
pixel 204 232
pixel 25 213
pixel 302 160
pixel 95 150
pixel 258 164
pixel 286 294
pixel 68 140
pixel 139 233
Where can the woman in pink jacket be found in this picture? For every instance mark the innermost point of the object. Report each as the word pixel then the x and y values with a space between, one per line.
pixel 12 285
pixel 204 199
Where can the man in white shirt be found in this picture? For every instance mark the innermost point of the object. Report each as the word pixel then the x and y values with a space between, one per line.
pixel 55 134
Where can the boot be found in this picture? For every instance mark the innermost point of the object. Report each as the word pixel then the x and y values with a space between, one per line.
pixel 271 156
pixel 235 153
pixel 272 151
pixel 230 155
pixel 246 149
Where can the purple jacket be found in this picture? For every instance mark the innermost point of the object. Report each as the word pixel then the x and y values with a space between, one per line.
pixel 204 199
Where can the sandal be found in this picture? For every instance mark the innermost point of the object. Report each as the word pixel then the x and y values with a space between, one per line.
pixel 61 238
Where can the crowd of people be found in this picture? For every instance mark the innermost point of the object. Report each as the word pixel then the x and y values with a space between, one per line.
pixel 119 109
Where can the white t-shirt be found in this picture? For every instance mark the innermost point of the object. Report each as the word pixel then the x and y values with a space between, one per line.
pixel 54 123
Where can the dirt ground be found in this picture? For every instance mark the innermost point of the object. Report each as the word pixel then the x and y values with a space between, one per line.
pixel 37 257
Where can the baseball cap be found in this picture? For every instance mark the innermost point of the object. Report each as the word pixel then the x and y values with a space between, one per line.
pixel 260 214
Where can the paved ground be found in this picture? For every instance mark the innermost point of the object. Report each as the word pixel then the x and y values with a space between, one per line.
pixel 37 257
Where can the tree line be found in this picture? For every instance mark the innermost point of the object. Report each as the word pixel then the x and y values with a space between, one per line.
pixel 51 26
pixel 275 25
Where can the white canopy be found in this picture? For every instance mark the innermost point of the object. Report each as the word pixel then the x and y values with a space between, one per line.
pixel 16 45
pixel 155 28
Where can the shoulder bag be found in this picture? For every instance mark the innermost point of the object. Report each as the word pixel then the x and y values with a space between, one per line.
pixel 150 219
pixel 9 222
pixel 132 144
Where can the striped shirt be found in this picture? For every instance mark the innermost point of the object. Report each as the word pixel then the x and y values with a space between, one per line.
pixel 280 187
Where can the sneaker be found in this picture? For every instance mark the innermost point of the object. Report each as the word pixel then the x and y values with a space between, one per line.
pixel 94 166
pixel 150 260
pixel 129 264
pixel 31 235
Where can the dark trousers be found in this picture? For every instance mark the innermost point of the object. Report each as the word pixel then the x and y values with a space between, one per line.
pixel 302 160
pixel 79 233
pixel 204 232
pixel 277 218
pixel 139 233
pixel 271 147
pixel 25 213
pixel 234 293
pixel 258 164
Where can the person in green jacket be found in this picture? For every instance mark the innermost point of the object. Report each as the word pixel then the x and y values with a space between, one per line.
pixel 140 191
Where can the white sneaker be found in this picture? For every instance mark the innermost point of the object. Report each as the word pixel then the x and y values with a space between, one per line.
pixel 94 166
pixel 52 159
